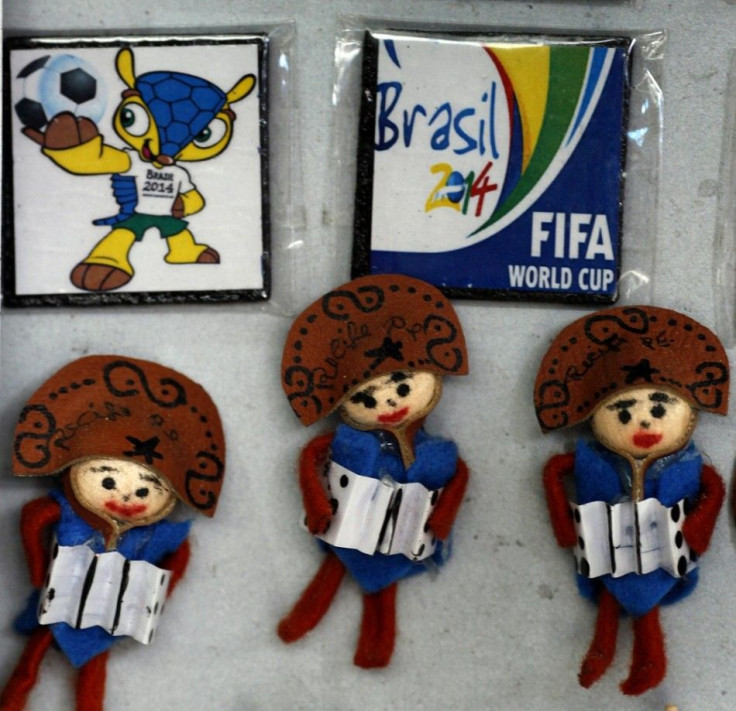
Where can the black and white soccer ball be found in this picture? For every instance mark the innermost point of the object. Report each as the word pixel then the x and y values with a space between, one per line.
pixel 51 84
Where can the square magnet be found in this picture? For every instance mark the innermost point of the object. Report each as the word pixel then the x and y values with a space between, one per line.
pixel 493 166
pixel 135 170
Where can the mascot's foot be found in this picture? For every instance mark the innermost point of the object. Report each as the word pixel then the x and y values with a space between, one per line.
pixel 209 256
pixel 98 277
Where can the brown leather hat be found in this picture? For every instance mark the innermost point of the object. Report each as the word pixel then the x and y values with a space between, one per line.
pixel 367 327
pixel 113 406
pixel 601 354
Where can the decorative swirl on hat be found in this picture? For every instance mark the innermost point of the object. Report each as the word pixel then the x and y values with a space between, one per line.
pixel 366 299
pixel 31 446
pixel 202 487
pixel 602 328
pixel 302 378
pixel 171 393
pixel 438 352
pixel 705 392
pixel 553 397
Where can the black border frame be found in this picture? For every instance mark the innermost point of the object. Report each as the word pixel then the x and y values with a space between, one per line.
pixel 362 219
pixel 11 298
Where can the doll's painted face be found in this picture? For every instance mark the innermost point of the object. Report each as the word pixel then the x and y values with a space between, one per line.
pixel 644 422
pixel 392 400
pixel 122 490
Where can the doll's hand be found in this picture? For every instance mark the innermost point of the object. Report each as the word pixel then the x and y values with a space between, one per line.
pixel 318 519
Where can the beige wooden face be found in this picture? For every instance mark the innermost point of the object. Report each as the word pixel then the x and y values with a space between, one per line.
pixel 644 422
pixel 393 400
pixel 122 491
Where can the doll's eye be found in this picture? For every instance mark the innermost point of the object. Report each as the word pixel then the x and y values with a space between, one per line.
pixel 658 411
pixel 624 417
pixel 108 483
pixel 403 390
pixel 142 492
pixel 365 399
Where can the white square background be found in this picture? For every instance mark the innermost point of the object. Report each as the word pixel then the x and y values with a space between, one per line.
pixel 54 209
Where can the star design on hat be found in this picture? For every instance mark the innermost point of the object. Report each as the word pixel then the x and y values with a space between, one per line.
pixel 387 349
pixel 642 370
pixel 144 448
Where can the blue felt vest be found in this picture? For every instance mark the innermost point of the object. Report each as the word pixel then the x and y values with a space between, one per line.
pixel 601 475
pixel 149 543
pixel 376 454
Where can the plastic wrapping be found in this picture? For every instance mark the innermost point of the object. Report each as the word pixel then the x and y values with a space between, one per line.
pixel 498 163
pixel 139 169
pixel 724 253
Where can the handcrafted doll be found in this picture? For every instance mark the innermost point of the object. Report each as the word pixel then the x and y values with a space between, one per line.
pixel 645 502
pixel 379 492
pixel 126 438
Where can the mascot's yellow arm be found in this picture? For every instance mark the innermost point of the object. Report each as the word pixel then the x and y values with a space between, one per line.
pixel 90 158
pixel 193 202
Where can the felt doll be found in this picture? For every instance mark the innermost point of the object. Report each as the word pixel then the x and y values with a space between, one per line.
pixel 126 438
pixel 379 492
pixel 645 500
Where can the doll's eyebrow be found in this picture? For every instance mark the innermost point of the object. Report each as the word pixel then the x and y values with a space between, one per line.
pixel 152 479
pixel 398 376
pixel 621 404
pixel 97 470
pixel 662 397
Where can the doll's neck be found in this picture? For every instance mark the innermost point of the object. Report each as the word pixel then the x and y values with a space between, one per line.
pixel 405 437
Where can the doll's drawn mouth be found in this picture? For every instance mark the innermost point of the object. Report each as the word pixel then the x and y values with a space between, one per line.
pixel 645 440
pixel 146 151
pixel 394 417
pixel 125 511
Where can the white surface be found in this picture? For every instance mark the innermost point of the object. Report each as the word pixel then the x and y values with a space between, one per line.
pixel 502 627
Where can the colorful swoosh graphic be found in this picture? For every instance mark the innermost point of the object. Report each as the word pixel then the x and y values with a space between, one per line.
pixel 552 92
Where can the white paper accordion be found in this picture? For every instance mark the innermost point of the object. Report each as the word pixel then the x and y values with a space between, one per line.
pixel 379 515
pixel 87 589
pixel 631 538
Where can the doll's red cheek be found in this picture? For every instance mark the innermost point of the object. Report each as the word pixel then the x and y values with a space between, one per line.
pixel 645 440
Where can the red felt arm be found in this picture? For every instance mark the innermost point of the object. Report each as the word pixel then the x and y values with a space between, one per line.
pixel 35 519
pixel 559 509
pixel 316 502
pixel 449 502
pixel 701 521
pixel 177 563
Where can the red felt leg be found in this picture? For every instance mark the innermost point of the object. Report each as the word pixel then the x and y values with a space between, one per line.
pixel 377 629
pixel 602 648
pixel 648 663
pixel 91 684
pixel 316 599
pixel 15 693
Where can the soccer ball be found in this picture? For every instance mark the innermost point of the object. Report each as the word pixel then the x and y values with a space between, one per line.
pixel 52 84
